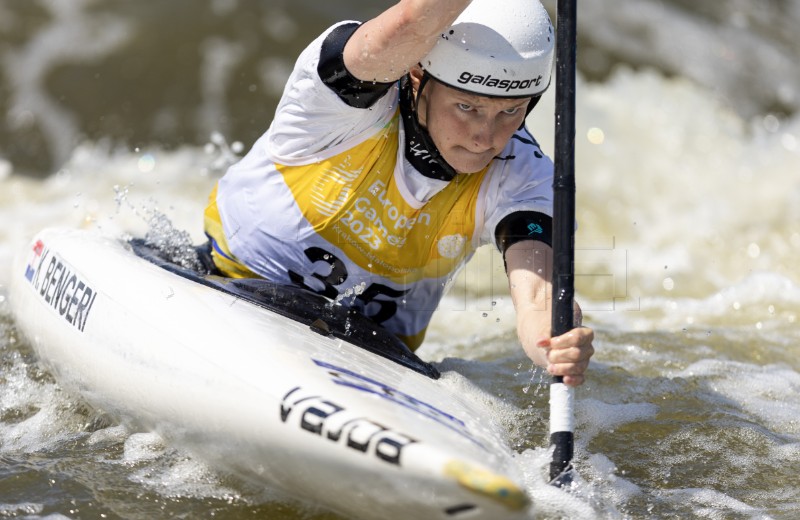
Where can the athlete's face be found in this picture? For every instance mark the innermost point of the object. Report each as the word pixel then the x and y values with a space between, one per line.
pixel 468 129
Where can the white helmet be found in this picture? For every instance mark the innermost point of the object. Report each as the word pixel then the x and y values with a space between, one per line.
pixel 497 49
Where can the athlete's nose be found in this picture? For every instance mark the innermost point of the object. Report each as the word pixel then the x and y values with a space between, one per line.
pixel 482 134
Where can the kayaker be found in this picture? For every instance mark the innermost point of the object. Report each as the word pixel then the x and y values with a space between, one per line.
pixel 398 147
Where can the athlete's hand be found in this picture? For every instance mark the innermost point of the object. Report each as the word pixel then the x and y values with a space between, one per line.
pixel 567 355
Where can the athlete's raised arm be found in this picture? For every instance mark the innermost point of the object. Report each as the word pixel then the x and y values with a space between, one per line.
pixel 384 48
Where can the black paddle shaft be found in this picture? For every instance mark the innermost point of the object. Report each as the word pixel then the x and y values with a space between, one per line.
pixel 564 180
pixel 564 203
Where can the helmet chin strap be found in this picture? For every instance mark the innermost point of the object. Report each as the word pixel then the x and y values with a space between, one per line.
pixel 421 151
pixel 531 104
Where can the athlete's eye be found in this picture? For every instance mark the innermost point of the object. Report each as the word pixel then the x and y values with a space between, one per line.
pixel 511 111
pixel 465 107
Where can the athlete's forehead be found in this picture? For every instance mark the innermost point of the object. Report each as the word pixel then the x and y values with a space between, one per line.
pixel 471 98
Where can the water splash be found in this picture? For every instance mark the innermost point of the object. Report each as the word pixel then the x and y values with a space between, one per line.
pixel 173 243
pixel 351 292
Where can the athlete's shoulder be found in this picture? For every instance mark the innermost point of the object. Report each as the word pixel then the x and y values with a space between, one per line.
pixel 523 142
pixel 314 116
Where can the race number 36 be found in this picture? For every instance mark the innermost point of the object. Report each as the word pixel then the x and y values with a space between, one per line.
pixel 378 299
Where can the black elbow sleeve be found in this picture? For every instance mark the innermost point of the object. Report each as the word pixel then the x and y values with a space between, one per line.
pixel 334 74
pixel 523 225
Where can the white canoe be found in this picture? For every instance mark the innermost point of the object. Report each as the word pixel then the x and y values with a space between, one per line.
pixel 217 367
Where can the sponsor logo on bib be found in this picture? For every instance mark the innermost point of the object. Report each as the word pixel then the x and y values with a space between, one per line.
pixel 451 246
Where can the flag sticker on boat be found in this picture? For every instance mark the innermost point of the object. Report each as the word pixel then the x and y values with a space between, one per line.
pixel 35 260
pixel 59 286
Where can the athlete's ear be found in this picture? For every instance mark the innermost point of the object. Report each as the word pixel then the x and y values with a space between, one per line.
pixel 415 75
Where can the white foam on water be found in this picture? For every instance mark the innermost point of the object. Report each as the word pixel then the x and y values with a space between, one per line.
pixel 594 492
pixel 143 447
pixel 25 509
pixel 152 462
pixel 597 489
pixel 595 416
pixel 107 436
pixel 37 414
pixel 713 505
pixel 759 301
pixel 612 489
pixel 114 190
pixel 176 474
pixel 473 383
pixel 771 393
